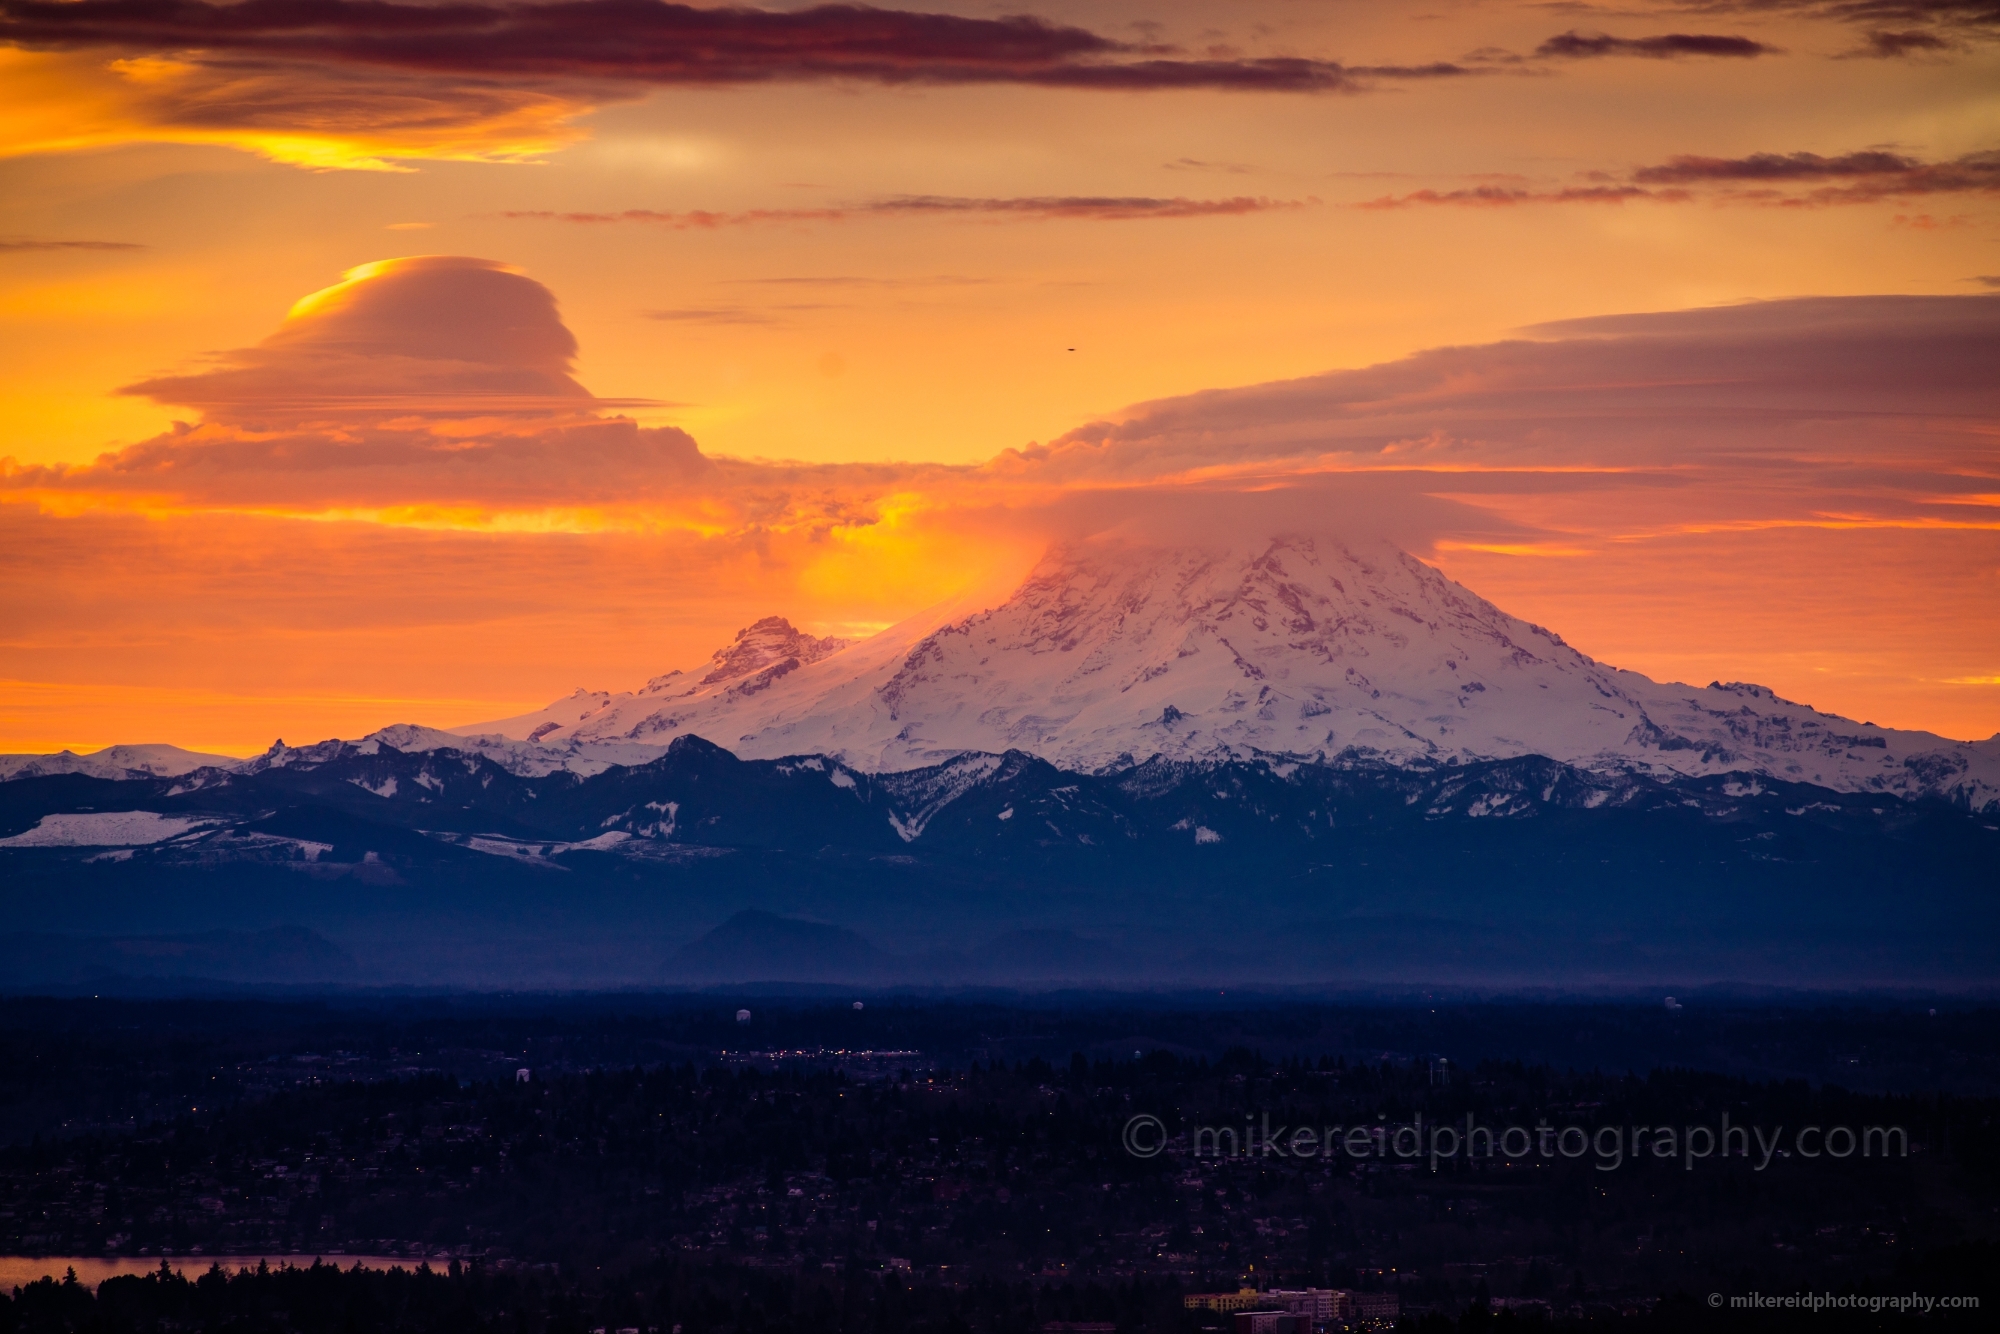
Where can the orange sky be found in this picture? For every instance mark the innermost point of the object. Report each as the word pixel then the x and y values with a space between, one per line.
pixel 871 253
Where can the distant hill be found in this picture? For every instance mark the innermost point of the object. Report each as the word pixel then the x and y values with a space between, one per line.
pixel 289 955
pixel 756 946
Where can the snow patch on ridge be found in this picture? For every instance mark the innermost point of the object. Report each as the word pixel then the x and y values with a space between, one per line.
pixel 104 829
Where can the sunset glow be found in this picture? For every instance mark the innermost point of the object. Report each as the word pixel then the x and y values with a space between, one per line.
pixel 363 376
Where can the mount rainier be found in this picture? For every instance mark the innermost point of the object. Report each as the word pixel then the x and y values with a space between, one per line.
pixel 1292 651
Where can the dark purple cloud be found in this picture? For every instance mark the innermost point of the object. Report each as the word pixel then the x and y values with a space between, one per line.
pixel 1883 44
pixel 1785 180
pixel 1964 16
pixel 648 42
pixel 1688 169
pixel 1574 45
pixel 1849 178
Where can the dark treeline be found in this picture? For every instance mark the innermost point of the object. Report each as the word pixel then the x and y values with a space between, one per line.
pixel 324 1299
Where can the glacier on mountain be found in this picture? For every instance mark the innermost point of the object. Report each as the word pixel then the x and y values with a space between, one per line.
pixel 1295 649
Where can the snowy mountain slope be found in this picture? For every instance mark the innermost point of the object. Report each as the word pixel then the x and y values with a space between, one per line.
pixel 770 672
pixel 118 762
pixel 760 655
pixel 1294 649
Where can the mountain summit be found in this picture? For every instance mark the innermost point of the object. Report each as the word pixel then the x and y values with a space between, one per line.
pixel 1292 650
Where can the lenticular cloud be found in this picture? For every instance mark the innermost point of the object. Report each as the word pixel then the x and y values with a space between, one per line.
pixel 428 333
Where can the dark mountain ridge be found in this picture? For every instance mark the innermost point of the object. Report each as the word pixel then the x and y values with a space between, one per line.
pixel 443 866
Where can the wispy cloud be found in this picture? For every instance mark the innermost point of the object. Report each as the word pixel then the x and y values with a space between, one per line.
pixel 867 280
pixel 1848 178
pixel 1197 164
pixel 1963 13
pixel 1883 44
pixel 1785 180
pixel 11 247
pixel 1499 196
pixel 1092 208
pixel 1895 28
pixel 738 314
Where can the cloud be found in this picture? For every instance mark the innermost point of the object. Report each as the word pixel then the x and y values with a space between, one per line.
pixel 1961 13
pixel 1897 28
pixel 1039 208
pixel 1575 45
pixel 867 281
pixel 1771 179
pixel 1797 492
pixel 641 42
pixel 428 333
pixel 1883 44
pixel 1497 196
pixel 1658 391
pixel 16 247
pixel 689 219
pixel 322 116
pixel 1766 167
pixel 606 39
pixel 1849 178
pixel 1100 208
pixel 436 391
pixel 357 483
pixel 421 384
pixel 1197 164
pixel 737 314
pixel 364 84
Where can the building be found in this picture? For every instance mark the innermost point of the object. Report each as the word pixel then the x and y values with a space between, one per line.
pixel 1240 1300
pixel 1375 1308
pixel 1271 1322
pixel 1321 1306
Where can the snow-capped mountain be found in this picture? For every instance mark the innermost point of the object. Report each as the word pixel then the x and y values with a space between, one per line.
pixel 146 760
pixel 1295 650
